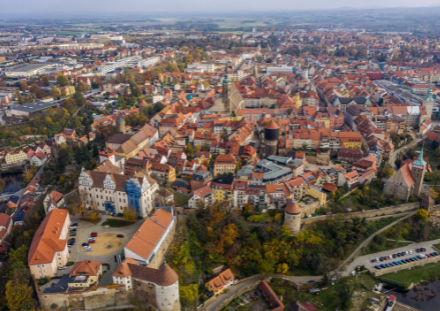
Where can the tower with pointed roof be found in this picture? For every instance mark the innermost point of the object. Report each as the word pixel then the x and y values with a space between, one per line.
pixel 292 217
pixel 120 124
pixel 429 102
pixel 418 172
pixel 227 91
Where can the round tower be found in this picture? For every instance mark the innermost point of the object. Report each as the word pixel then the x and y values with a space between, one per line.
pixel 271 134
pixel 429 102
pixel 292 217
pixel 167 289
pixel 120 124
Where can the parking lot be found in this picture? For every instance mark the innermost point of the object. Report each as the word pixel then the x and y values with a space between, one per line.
pixel 101 250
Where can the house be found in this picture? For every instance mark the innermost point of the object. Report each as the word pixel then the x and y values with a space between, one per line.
pixel 180 185
pixel 60 139
pixel 85 273
pixel 223 187
pixel 53 200
pixel 49 250
pixel 224 164
pixel 39 159
pixel 351 178
pixel 205 195
pixel 268 293
pixel 220 282
pixel 200 179
pixel 17 156
pixel 5 226
pixel 164 197
pixel 151 241
pixel 350 155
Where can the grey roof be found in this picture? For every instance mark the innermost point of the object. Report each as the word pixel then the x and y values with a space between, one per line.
pixel 30 67
pixel 201 176
pixel 34 107
pixel 279 160
pixel 272 171
pixel 246 171
pixel 361 100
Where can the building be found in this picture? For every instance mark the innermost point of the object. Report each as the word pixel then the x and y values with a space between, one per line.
pixel 407 181
pixel 200 179
pixel 224 164
pixel 350 155
pixel 53 200
pixel 230 99
pixel 113 192
pixel 165 172
pixel 159 287
pixel 205 195
pixel 274 302
pixel 429 103
pixel 85 274
pixel 28 109
pixel 5 226
pixel 49 250
pixel 18 156
pixel 292 217
pixel 222 187
pixel 28 70
pixel 39 159
pixel 220 282
pixel 150 243
pixel 271 134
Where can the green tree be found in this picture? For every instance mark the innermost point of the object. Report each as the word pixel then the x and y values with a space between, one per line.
pixel 95 152
pixel 158 106
pixel 135 90
pixel 189 149
pixel 63 159
pixel 23 86
pixel 79 99
pixel 20 98
pixel 62 80
pixel 422 215
pixel 344 291
pixel 81 87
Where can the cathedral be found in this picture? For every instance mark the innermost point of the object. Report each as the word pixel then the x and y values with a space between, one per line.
pixel 230 99
pixel 407 181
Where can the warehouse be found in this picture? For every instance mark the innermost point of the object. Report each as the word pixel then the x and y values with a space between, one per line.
pixel 28 71
pixel 28 109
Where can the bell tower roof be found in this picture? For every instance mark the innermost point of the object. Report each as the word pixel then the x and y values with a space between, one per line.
pixel 428 97
pixel 420 161
pixel 226 80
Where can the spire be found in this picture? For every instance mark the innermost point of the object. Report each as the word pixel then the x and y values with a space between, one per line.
pixel 420 161
pixel 428 97
pixel 226 80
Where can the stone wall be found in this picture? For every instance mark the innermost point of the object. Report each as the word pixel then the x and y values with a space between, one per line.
pixel 405 266
pixel 370 213
pixel 86 299
pixel 160 255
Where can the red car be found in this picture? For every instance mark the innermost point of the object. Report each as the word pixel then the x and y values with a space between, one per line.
pixel 94 234
pixel 92 241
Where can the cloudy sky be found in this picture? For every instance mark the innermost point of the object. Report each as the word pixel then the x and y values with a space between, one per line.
pixel 175 6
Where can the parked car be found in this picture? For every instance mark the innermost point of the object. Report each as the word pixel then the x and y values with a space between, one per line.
pixel 85 244
pixel 120 236
pixel 394 255
pixel 91 239
pixel 75 224
pixel 62 268
pixel 89 249
pixel 94 234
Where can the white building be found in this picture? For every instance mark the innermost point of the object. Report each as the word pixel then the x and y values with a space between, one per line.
pixel 204 194
pixel 113 192
pixel 38 159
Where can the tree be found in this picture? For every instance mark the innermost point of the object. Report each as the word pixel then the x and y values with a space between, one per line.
pixel 81 87
pixel 188 295
pixel 304 145
pixel 45 81
pixel 129 214
pixel 20 98
pixel 23 86
pixel 63 159
pixel 95 152
pixel 189 149
pixel 62 80
pixel 54 92
pixel 422 215
pixel 135 90
pixel 19 296
pixel 344 292
pixel 36 91
pixel 282 268
pixel 79 99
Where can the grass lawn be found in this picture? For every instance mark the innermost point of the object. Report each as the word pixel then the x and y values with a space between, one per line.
pixel 437 246
pixel 180 199
pixel 116 223
pixel 373 247
pixel 93 221
pixel 329 300
pixel 416 274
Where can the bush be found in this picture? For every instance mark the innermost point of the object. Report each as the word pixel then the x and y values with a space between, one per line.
pixel 70 263
pixel 53 306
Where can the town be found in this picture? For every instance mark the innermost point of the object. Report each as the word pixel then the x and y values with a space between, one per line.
pixel 226 165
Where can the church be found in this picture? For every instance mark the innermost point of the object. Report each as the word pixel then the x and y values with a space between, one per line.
pixel 407 181
pixel 230 99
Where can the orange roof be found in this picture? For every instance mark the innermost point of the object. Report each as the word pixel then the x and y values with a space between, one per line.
pixel 272 125
pixel 86 267
pixel 46 241
pixel 149 233
pixel 292 207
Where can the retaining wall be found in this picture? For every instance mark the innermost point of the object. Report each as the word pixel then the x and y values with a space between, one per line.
pixel 367 214
pixel 404 267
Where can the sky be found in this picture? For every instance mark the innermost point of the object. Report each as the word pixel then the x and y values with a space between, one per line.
pixel 64 7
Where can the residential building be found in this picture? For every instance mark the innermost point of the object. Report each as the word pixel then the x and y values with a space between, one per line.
pixel 53 200
pixel 219 283
pixel 49 250
pixel 200 179
pixel 85 274
pixel 224 164
pixel 205 195
pixel 222 187
pixel 5 226
pixel 18 156
pixel 39 159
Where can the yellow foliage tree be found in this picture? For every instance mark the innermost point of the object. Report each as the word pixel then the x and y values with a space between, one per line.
pixel 282 268
pixel 422 214
pixel 129 214
pixel 19 296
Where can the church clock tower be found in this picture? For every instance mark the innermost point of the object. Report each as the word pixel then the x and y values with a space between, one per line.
pixel 418 173
pixel 429 102
pixel 227 91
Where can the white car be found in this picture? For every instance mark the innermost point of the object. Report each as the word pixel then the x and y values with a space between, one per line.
pixel 410 252
pixel 62 268
pixel 92 239
pixel 89 249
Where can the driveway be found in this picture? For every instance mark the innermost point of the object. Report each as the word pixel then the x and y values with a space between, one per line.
pixel 366 260
pixel 83 233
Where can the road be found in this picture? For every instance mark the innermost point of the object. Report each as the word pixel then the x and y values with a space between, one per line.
pixel 392 161
pixel 253 280
pixel 347 270
pixel 366 260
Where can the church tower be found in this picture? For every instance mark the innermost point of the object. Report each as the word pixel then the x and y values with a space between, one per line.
pixel 227 91
pixel 120 124
pixel 292 217
pixel 429 102
pixel 297 98
pixel 418 173
pixel 271 134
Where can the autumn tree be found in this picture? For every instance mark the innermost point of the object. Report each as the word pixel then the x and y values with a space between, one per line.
pixel 188 295
pixel 45 81
pixel 19 296
pixel 23 86
pixel 81 87
pixel 422 215
pixel 129 214
pixel 34 89
pixel 20 98
pixel 54 92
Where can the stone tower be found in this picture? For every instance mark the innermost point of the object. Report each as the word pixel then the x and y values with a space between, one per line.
pixel 227 91
pixel 120 124
pixel 429 102
pixel 271 134
pixel 292 217
pixel 418 173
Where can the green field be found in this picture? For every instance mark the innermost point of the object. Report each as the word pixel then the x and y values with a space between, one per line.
pixel 416 274
pixel 180 199
pixel 116 223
